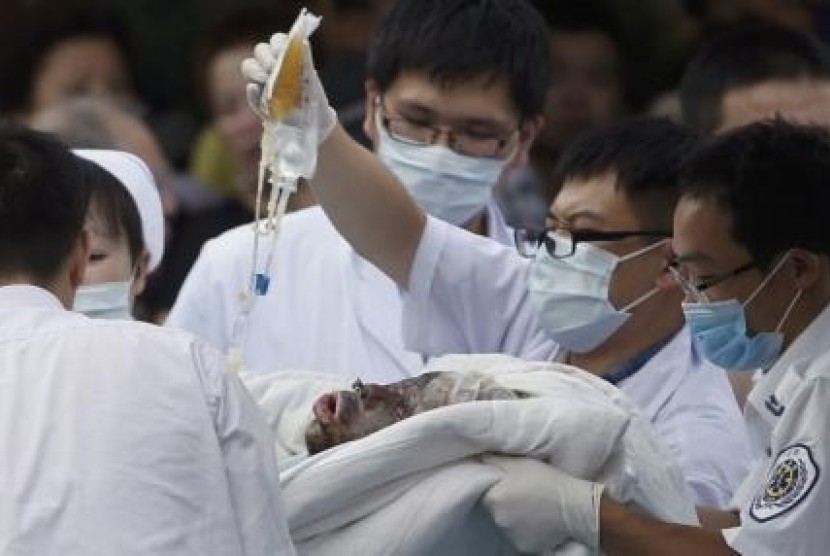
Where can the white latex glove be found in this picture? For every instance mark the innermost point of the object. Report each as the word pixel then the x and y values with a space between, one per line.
pixel 539 507
pixel 257 69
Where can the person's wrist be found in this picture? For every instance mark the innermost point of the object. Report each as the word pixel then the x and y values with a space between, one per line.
pixel 585 525
pixel 594 537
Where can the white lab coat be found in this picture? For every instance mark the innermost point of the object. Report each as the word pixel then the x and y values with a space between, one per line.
pixel 468 295
pixel 326 310
pixel 124 438
pixel 785 502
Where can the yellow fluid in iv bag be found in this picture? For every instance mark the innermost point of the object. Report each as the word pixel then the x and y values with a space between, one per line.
pixel 286 92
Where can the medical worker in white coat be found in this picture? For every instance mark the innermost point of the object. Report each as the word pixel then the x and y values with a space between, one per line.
pixel 125 222
pixel 752 243
pixel 602 301
pixel 448 125
pixel 115 437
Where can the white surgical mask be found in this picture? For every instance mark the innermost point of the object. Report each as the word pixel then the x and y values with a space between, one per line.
pixel 720 331
pixel 571 295
pixel 447 185
pixel 109 300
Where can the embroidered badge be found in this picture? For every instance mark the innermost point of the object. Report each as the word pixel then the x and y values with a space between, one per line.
pixel 793 476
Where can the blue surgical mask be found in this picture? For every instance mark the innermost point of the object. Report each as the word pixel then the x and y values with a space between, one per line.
pixel 720 333
pixel 109 300
pixel 447 185
pixel 571 295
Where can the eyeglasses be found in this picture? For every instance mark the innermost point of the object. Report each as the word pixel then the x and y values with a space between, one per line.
pixel 423 134
pixel 561 243
pixel 695 289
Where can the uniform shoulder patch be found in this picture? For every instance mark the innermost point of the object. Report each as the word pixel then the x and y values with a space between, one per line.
pixel 792 477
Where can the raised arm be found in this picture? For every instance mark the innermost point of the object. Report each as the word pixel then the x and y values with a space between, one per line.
pixel 366 203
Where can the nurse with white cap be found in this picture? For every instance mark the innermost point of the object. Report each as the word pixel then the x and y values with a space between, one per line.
pixel 126 228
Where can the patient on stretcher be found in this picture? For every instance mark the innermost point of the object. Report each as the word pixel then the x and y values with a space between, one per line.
pixel 348 415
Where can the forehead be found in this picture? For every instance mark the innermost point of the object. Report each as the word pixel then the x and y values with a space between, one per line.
pixel 475 99
pixel 224 67
pixel 103 226
pixel 102 237
pixel 90 53
pixel 702 234
pixel 805 101
pixel 594 201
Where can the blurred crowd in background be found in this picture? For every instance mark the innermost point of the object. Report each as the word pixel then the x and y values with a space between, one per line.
pixel 161 79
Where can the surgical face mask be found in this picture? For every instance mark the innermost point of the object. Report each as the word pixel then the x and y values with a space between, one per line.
pixel 720 333
pixel 447 185
pixel 571 295
pixel 109 300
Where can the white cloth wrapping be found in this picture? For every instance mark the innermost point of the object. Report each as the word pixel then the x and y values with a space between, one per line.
pixel 413 488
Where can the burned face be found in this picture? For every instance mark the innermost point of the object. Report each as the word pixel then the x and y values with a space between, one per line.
pixel 351 414
pixel 348 415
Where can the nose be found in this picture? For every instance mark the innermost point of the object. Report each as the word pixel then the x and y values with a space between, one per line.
pixel 690 293
pixel 443 137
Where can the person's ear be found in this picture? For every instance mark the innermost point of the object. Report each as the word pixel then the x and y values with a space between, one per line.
pixel 372 92
pixel 806 268
pixel 78 258
pixel 528 132
pixel 142 266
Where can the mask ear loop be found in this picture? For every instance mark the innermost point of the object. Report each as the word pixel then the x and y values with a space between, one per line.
pixel 640 300
pixel 766 280
pixel 789 310
pixel 378 108
pixel 638 252
pixel 792 304
pixel 650 293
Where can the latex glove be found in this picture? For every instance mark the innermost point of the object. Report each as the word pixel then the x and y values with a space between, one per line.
pixel 257 69
pixel 539 507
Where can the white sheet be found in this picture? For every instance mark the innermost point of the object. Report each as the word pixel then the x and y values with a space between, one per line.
pixel 413 488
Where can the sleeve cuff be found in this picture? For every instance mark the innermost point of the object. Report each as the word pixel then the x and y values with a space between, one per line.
pixel 416 307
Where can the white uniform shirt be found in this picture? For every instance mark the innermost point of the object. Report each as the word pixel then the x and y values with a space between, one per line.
pixel 785 502
pixel 125 438
pixel 469 295
pixel 326 309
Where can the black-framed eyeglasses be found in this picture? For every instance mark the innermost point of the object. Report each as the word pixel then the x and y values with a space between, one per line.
pixel 423 134
pixel 696 288
pixel 561 243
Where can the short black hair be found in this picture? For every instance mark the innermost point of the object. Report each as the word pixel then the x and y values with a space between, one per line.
pixel 28 35
pixel 112 210
pixel 645 155
pixel 771 177
pixel 44 196
pixel 744 57
pixel 452 41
